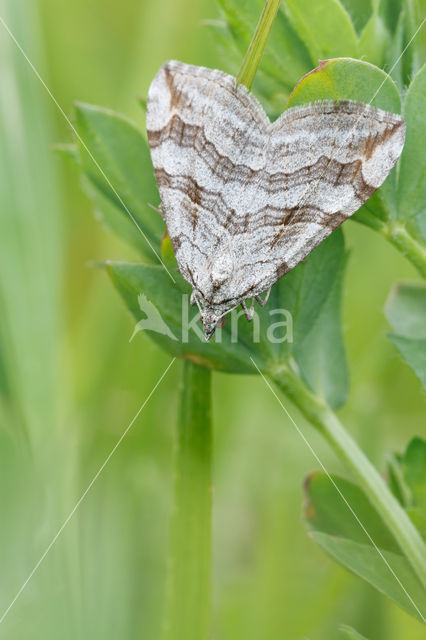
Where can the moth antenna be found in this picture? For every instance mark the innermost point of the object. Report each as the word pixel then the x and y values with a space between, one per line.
pixel 263 301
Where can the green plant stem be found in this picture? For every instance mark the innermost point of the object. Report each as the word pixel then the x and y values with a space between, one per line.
pixel 398 235
pixel 257 44
pixel 189 589
pixel 406 244
pixel 394 516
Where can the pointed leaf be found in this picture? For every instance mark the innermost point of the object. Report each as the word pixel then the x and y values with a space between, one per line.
pixel 374 41
pixel 414 468
pixel 162 310
pixel 311 295
pixel 324 26
pixel 359 11
pixel 414 353
pixel 412 174
pixel 406 313
pixel 341 536
pixel 363 560
pixel 405 309
pixel 326 509
pixel 116 160
pixel 347 79
pixel 408 481
pixel 320 353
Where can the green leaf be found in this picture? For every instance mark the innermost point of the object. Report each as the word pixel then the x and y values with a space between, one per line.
pixel 126 178
pixel 341 536
pixel 172 330
pixel 396 480
pixel 407 475
pixel 305 290
pixel 347 79
pixel 412 173
pixel 414 468
pixel 406 313
pixel 406 309
pixel 324 26
pixel 414 352
pixel 111 217
pixel 310 296
pixel 367 563
pixel 318 347
pixel 277 331
pixel 394 57
pixel 327 511
pixel 350 633
pixel 374 41
pixel 391 11
pixel 359 11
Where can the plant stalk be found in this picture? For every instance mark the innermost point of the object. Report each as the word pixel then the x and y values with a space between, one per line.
pixel 257 44
pixel 406 244
pixel 398 235
pixel 323 418
pixel 189 588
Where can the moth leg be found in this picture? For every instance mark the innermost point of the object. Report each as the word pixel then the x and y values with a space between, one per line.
pixel 265 299
pixel 158 209
pixel 249 313
pixel 193 298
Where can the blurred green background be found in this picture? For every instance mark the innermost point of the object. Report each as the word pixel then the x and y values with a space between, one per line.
pixel 70 381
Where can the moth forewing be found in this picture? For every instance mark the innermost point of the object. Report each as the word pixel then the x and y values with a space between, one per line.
pixel 245 200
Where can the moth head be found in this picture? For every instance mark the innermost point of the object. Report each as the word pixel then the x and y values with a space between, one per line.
pixel 211 319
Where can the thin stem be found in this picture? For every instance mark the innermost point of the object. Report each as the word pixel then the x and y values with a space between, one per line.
pixel 398 235
pixel 257 44
pixel 189 593
pixel 394 516
pixel 413 250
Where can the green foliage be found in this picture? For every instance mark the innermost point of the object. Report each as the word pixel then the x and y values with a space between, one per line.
pixel 343 538
pixel 378 33
pixel 310 294
pixel 310 364
pixel 409 480
pixel 117 165
pixel 325 28
pixel 305 33
pixel 406 313
pixel 412 175
pixel 347 79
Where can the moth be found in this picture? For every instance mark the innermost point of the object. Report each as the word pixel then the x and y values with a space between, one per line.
pixel 246 199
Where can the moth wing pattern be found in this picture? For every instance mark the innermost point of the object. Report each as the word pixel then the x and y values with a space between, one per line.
pixel 244 199
pixel 327 159
pixel 206 143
